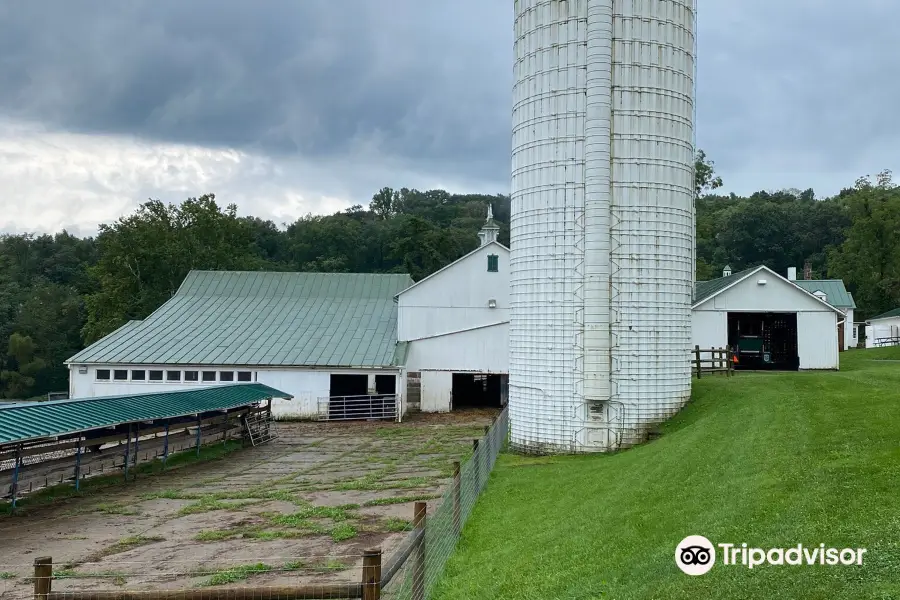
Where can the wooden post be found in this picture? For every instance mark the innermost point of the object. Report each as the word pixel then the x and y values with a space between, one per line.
pixel 15 480
pixel 127 452
pixel 729 357
pixel 78 466
pixel 198 434
pixel 476 458
pixel 43 574
pixel 697 353
pixel 166 446
pixel 137 435
pixel 418 566
pixel 371 575
pixel 457 498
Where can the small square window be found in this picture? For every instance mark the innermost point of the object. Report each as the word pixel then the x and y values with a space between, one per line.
pixel 138 375
pixel 173 375
pixel 245 376
pixel 120 374
pixel 103 374
pixel 209 375
pixel 493 263
pixel 155 375
pixel 191 375
pixel 226 376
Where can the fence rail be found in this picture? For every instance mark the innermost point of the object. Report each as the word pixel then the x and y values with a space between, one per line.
pixel 410 573
pixel 713 360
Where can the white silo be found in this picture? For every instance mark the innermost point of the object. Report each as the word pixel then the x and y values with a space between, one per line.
pixel 602 226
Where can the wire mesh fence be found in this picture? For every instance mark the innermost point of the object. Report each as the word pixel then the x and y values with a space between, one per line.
pixel 405 570
pixel 437 531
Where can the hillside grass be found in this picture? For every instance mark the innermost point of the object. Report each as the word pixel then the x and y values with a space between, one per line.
pixel 770 459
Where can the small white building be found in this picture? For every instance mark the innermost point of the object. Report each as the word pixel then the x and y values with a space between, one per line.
pixel 883 330
pixel 772 322
pixel 455 324
pixel 312 335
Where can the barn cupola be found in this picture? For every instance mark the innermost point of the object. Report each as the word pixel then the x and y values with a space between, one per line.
pixel 726 271
pixel 490 231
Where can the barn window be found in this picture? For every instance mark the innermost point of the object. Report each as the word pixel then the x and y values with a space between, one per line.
pixel 493 263
pixel 138 375
pixel 191 376
pixel 245 376
pixel 155 376
pixel 226 376
pixel 103 374
pixel 209 375
pixel 120 374
pixel 173 375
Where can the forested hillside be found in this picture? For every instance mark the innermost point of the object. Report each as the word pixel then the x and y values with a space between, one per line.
pixel 59 292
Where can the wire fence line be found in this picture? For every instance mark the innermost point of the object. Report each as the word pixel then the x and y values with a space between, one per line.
pixel 408 571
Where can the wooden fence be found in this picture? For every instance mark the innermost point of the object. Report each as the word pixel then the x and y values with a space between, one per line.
pixel 713 360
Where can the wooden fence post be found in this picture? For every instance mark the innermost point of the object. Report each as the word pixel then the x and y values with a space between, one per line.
pixel 371 574
pixel 697 353
pixel 476 458
pixel 43 574
pixel 78 466
pixel 457 498
pixel 730 358
pixel 418 566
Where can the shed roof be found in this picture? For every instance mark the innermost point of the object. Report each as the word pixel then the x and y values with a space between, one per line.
pixel 888 315
pixel 263 318
pixel 35 420
pixel 835 292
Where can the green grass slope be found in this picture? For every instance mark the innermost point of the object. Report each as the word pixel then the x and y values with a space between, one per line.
pixel 773 460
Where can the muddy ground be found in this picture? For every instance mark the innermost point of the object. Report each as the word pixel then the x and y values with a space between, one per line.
pixel 299 509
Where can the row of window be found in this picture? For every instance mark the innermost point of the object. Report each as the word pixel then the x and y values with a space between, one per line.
pixel 172 376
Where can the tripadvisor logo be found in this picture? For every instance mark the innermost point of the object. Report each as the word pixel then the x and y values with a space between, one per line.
pixel 696 555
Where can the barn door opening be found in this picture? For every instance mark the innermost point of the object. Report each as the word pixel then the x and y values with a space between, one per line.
pixel 764 341
pixel 478 390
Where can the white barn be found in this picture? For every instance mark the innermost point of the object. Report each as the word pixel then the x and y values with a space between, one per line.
pixel 455 324
pixel 790 327
pixel 312 335
pixel 883 330
pixel 834 293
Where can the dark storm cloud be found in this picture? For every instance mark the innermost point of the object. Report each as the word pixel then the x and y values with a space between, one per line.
pixel 806 86
pixel 427 80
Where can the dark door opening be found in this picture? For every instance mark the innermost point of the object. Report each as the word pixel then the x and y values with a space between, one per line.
pixel 477 390
pixel 386 384
pixel 764 341
pixel 345 393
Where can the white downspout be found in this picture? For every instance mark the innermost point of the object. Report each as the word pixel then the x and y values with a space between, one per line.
pixel 597 202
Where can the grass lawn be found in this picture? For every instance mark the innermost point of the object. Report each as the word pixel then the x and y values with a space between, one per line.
pixel 773 460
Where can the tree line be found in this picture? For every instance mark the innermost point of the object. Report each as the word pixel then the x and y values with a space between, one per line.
pixel 60 292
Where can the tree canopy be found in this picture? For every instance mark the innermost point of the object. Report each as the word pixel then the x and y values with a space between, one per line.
pixel 60 292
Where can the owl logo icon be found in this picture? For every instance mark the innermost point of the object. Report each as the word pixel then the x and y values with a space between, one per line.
pixel 695 555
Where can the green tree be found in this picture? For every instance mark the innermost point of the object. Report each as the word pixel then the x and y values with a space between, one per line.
pixel 705 178
pixel 22 366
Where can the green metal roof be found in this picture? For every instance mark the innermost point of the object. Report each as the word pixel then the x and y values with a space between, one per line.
pixel 835 292
pixel 705 289
pixel 889 314
pixel 261 318
pixel 35 420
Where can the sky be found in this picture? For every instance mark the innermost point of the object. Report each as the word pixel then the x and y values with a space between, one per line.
pixel 291 107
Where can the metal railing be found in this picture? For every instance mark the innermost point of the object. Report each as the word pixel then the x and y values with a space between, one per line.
pixel 356 408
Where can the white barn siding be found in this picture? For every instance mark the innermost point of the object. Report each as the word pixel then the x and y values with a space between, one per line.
pixel 456 298
pixel 815 350
pixel 482 350
pixel 437 387
pixel 709 328
pixel 306 385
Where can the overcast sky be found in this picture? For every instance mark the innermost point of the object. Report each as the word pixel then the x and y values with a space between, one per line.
pixel 287 107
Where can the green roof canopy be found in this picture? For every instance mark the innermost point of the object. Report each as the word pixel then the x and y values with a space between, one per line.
pixel 835 292
pixel 34 420
pixel 889 314
pixel 248 318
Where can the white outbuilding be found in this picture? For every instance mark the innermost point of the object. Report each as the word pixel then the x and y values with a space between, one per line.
pixel 883 330
pixel 771 322
pixel 455 325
